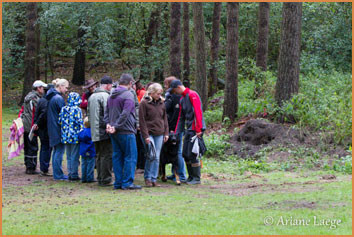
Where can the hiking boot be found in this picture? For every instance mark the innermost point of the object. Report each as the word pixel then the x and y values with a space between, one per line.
pixel 196 175
pixel 132 187
pixel 148 183
pixel 190 173
pixel 154 184
pixel 45 173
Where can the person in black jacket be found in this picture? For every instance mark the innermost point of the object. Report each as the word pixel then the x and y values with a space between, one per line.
pixel 172 109
pixel 40 123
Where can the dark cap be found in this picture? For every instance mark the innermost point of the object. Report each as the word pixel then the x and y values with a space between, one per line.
pixel 106 80
pixel 175 83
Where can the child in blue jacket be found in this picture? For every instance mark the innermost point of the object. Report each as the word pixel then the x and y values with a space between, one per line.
pixel 88 154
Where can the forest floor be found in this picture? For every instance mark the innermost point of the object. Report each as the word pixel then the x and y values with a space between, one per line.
pixel 290 201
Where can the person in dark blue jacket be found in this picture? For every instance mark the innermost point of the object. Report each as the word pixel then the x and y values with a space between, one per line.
pixel 88 154
pixel 55 103
pixel 40 123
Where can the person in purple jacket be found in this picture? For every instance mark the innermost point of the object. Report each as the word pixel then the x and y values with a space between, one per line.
pixel 120 119
pixel 88 154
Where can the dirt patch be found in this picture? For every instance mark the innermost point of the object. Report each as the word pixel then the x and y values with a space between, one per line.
pixel 301 204
pixel 250 188
pixel 256 134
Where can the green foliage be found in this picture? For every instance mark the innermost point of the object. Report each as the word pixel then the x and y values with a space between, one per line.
pixel 217 145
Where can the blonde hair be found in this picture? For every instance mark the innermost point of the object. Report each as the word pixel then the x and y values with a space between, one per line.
pixel 60 82
pixel 86 122
pixel 54 82
pixel 153 88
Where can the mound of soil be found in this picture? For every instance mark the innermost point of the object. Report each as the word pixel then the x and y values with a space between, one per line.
pixel 257 133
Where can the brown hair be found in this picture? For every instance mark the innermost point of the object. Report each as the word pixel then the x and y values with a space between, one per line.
pixel 168 80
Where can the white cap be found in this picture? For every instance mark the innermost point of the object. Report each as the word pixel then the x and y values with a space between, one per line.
pixel 39 83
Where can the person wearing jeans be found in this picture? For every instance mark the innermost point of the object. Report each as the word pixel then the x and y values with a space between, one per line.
pixel 70 119
pixel 172 108
pixel 55 103
pixel 120 120
pixel 154 129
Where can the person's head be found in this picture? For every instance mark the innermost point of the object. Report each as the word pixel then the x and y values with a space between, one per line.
pixel 91 85
pixel 86 122
pixel 54 82
pixel 139 86
pixel 167 82
pixel 48 87
pixel 154 91
pixel 61 85
pixel 177 87
pixel 106 83
pixel 126 80
pixel 74 99
pixel 39 86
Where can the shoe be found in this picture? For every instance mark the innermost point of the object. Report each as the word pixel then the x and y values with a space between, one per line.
pixel 91 181
pixel 104 184
pixel 120 187
pixel 154 184
pixel 63 178
pixel 132 187
pixel 195 175
pixel 28 171
pixel 75 179
pixel 45 173
pixel 84 181
pixel 148 183
pixel 171 177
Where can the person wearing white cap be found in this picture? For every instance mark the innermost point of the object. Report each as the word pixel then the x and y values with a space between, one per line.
pixel 29 108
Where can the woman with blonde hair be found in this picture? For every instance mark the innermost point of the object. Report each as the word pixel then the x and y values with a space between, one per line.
pixel 154 129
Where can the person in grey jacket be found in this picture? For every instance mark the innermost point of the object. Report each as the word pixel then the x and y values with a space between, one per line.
pixel 95 110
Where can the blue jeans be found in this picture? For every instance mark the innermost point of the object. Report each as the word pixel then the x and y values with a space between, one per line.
pixel 57 159
pixel 124 159
pixel 73 159
pixel 152 166
pixel 87 168
pixel 45 153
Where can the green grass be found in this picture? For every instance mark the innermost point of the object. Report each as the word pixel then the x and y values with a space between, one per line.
pixel 228 202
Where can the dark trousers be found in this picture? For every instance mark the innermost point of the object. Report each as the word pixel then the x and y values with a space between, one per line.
pixel 45 152
pixel 104 161
pixel 30 150
pixel 141 151
pixel 187 154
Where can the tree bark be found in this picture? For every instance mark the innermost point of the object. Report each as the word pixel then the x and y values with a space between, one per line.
pixel 31 44
pixel 263 35
pixel 199 37
pixel 80 58
pixel 231 91
pixel 215 48
pixel 289 57
pixel 186 69
pixel 38 48
pixel 175 40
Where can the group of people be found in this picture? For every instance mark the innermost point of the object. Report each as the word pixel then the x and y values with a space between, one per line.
pixel 112 126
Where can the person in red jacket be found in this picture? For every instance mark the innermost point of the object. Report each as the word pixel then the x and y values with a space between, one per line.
pixel 91 86
pixel 191 118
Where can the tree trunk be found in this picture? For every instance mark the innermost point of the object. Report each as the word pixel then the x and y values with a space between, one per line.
pixel 215 48
pixel 231 93
pixel 31 44
pixel 80 58
pixel 289 56
pixel 38 49
pixel 175 40
pixel 263 34
pixel 199 37
pixel 186 70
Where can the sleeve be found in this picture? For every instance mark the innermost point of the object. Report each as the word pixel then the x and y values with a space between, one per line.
pixel 142 122
pixel 40 112
pixel 106 115
pixel 168 102
pixel 198 113
pixel 166 123
pixel 84 136
pixel 80 121
pixel 21 111
pixel 128 107
pixel 136 101
pixel 180 120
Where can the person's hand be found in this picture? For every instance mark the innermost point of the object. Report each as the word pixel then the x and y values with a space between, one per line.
pixel 138 128
pixel 199 134
pixel 113 130
pixel 35 127
pixel 147 140
pixel 165 139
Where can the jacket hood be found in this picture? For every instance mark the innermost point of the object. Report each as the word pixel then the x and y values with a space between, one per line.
pixel 118 91
pixel 52 92
pixel 74 99
pixel 31 95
